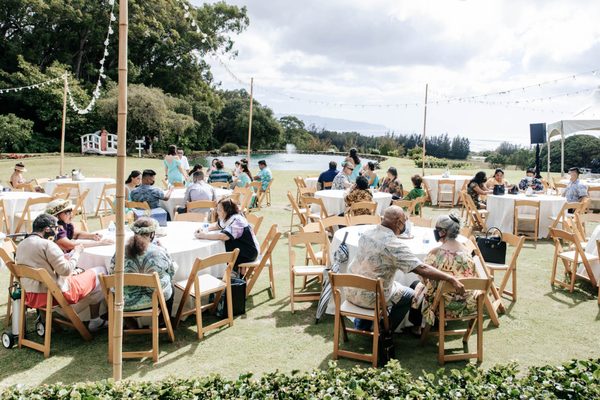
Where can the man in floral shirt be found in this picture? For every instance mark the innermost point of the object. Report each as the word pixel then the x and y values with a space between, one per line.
pixel 380 254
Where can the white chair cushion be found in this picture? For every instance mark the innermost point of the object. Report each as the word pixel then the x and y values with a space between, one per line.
pixel 308 269
pixel 348 307
pixel 570 255
pixel 496 266
pixel 527 217
pixel 252 264
pixel 208 284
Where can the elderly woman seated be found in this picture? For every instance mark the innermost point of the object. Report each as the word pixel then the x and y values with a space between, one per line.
pixel 143 256
pixel 68 235
pixel 454 259
pixel 359 192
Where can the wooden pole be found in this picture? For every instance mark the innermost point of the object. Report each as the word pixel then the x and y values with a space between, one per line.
pixel 121 158
pixel 250 121
pixel 424 128
pixel 64 123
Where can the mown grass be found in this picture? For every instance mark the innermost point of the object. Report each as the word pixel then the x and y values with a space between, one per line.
pixel 545 325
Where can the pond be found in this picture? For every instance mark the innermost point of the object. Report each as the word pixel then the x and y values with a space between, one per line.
pixel 282 161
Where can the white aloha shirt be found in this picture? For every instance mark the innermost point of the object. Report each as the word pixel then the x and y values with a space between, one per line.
pixel 380 254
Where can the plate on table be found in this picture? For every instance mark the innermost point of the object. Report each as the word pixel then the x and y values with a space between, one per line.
pixel 161 232
pixel 405 236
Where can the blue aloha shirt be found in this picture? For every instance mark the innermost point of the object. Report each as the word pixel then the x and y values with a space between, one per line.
pixel 380 254
pixel 265 176
pixel 575 191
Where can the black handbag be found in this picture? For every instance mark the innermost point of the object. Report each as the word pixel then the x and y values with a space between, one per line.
pixel 238 298
pixel 492 248
pixel 498 189
pixel 386 350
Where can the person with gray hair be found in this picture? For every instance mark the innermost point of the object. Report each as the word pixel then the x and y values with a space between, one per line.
pixel 79 287
pixel 453 258
pixel 198 190
pixel 380 254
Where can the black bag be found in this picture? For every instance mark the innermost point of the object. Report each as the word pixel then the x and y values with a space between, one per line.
pixel 385 347
pixel 514 190
pixel 493 249
pixel 238 298
pixel 498 190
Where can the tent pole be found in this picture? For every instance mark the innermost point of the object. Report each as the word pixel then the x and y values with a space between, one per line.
pixel 250 120
pixel 424 128
pixel 562 154
pixel 62 131
pixel 548 148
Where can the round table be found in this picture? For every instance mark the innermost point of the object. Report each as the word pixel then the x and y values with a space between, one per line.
pixel 334 200
pixel 312 182
pixel 591 248
pixel 14 202
pixel 432 182
pixel 501 210
pixel 176 199
pixel 96 185
pixel 180 244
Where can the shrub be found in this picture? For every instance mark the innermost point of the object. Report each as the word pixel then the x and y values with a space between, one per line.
pixel 374 151
pixel 229 148
pixel 577 379
pixel 433 162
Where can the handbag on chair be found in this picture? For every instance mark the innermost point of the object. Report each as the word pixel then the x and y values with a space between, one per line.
pixel 492 248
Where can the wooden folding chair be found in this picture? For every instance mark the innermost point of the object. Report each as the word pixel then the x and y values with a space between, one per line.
pixel 210 205
pixel 264 195
pixel 106 219
pixel 533 219
pixel 245 197
pixel 220 185
pixel 346 309
pixel 313 269
pixel 475 217
pixel 331 224
pixel 255 187
pixel 300 184
pixel 568 249
pixel 79 208
pixel 4 221
pixel 421 221
pixel 296 211
pixel 327 185
pixel 72 188
pixel 159 306
pixel 191 217
pixel 255 221
pixel 419 205
pixel 314 215
pixel 254 268
pixel 459 200
pixel 481 287
pixel 105 201
pixel 369 206
pixel 510 270
pixel 33 208
pixel 7 255
pixel 446 189
pixel 427 192
pixel 53 294
pixel 26 187
pixel 140 205
pixel 564 213
pixel 364 220
pixel 407 205
pixel 201 285
pixel 582 219
pixel 594 193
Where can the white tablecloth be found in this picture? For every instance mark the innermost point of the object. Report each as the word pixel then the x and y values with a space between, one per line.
pixel 94 184
pixel 592 249
pixel 334 200
pixel 179 242
pixel 501 210
pixel 14 202
pixel 432 182
pixel 312 182
pixel 176 199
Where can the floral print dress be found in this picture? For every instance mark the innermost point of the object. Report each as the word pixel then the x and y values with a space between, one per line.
pixel 460 265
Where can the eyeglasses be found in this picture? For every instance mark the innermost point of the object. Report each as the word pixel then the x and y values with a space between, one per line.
pixel 351 169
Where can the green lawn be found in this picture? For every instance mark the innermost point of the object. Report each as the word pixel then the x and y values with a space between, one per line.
pixel 545 325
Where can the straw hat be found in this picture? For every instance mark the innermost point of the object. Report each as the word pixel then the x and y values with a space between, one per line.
pixel 57 206
pixel 20 167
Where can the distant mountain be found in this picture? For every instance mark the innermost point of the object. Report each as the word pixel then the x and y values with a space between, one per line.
pixel 341 125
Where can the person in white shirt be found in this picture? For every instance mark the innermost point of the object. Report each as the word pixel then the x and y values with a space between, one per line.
pixel 184 161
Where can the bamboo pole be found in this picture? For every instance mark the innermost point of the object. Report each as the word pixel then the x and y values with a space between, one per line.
pixel 121 158
pixel 64 123
pixel 250 121
pixel 424 128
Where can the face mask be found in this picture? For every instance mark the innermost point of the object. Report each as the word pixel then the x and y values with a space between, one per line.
pixel 48 233
pixel 436 235
pixel 403 229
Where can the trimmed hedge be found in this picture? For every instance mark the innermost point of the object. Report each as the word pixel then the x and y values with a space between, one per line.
pixel 577 379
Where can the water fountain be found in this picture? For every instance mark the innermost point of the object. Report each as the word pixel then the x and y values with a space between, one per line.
pixel 289 149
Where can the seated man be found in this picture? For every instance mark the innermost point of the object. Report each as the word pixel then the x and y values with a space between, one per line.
pixel 328 176
pixel 264 175
pixel 199 190
pixel 531 181
pixel 147 192
pixel 342 180
pixel 219 174
pixel 575 191
pixel 380 254
pixel 38 250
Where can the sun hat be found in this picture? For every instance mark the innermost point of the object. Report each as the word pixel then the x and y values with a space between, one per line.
pixel 20 167
pixel 57 206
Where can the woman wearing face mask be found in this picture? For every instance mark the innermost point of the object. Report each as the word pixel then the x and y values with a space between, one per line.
pixel 452 258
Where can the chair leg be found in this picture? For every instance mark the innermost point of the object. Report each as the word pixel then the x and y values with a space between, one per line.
pixel 336 335
pixel 292 291
pixel 229 303
pixel 155 329
pixel 343 323
pixel 514 284
pixel 48 329
pixel 442 333
pixel 9 304
pixel 272 277
pixel 479 330
pixel 375 341
pixel 554 265
pixel 198 304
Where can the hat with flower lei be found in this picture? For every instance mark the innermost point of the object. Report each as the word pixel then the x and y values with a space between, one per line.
pixel 144 230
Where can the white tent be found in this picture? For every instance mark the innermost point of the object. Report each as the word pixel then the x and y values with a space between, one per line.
pixel 568 127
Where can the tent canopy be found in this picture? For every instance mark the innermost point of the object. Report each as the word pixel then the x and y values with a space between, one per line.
pixel 568 127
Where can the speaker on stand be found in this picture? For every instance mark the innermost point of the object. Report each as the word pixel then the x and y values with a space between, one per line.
pixel 537 134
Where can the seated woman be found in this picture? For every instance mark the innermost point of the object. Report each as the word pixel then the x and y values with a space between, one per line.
pixel 531 181
pixel 133 180
pixel 17 177
pixel 392 185
pixel 142 256
pixel 369 172
pixel 416 191
pixel 243 177
pixel 476 188
pixel 359 192
pixel 497 179
pixel 454 259
pixel 68 236
pixel 232 228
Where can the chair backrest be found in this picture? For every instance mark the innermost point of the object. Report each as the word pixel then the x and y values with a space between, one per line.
pixel 364 220
pixel 246 197
pixel 427 190
pixel 131 279
pixel 309 201
pixel 192 205
pixel 481 284
pixel 7 250
pixel 178 184
pixel 300 182
pixel 450 187
pixel 73 188
pixel 32 204
pixel 220 185
pixel 421 221
pixel 228 258
pixel 312 227
pixel 375 286
pixel 407 205
pixel 269 243
pixel 327 185
pixel 255 221
pixel 27 187
pixel 79 206
pixel 527 203
pixel 369 206
pixel 4 222
pixel 105 220
pixel 516 242
pixel 256 186
pixel 191 217
pixel 140 205
pixel 308 240
pixel 310 192
pixel 295 208
pixel 335 220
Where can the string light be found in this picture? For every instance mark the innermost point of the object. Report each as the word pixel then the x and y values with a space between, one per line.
pixel 33 86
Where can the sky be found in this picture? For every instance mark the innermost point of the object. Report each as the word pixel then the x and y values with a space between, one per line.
pixel 370 61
